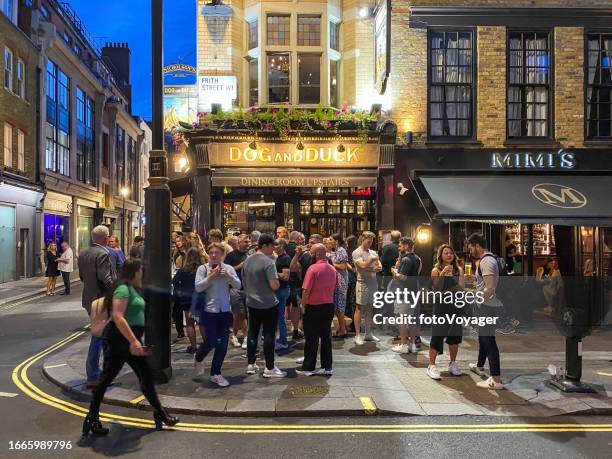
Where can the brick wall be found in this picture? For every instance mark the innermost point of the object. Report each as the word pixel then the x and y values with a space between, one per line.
pixel 14 110
pixel 491 86
pixel 569 85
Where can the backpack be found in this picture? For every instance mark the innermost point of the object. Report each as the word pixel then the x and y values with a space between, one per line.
pixel 198 302
pixel 99 317
pixel 504 291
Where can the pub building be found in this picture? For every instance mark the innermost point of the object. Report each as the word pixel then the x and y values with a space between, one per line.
pixel 315 181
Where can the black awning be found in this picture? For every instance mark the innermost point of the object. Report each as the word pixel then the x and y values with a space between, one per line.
pixel 573 200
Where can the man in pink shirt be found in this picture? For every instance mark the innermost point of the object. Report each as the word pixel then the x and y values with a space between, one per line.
pixel 318 303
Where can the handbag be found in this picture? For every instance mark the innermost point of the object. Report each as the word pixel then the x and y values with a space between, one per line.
pixel 99 317
pixel 198 301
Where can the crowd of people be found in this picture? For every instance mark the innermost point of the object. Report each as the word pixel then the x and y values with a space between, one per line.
pixel 238 289
pixel 241 290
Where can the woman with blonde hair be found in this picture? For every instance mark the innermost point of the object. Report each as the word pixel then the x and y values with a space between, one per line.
pixel 447 276
pixel 52 270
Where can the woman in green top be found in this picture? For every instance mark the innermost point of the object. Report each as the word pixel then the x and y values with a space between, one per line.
pixel 122 343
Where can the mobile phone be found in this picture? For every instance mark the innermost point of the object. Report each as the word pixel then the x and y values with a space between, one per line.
pixel 214 266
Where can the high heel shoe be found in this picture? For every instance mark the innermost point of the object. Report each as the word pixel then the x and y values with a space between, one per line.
pixel 94 426
pixel 162 417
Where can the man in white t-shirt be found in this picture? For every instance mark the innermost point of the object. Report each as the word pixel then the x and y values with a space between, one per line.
pixel 66 266
pixel 487 278
pixel 368 264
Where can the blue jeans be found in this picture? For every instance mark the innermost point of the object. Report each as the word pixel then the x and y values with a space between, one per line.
pixel 282 295
pixel 216 326
pixel 92 365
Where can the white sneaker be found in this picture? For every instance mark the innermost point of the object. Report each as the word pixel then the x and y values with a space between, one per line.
pixel 219 380
pixel 413 348
pixel 401 348
pixel 199 368
pixel 244 343
pixel 433 372
pixel 274 373
pixel 454 369
pixel 252 369
pixel 328 372
pixel 299 360
pixel 305 372
pixel 371 337
pixel 358 340
pixel 474 368
pixel 234 341
pixel 490 384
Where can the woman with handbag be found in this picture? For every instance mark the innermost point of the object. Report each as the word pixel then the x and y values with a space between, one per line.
pixel 122 343
pixel 183 285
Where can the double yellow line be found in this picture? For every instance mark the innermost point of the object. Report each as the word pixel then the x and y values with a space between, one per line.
pixel 22 381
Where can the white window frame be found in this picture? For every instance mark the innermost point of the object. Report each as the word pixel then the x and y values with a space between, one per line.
pixel 7 139
pixel 9 63
pixel 20 150
pixel 21 79
pixel 4 7
pixel 294 50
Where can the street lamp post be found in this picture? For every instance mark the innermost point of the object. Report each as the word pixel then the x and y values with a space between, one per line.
pixel 124 193
pixel 156 273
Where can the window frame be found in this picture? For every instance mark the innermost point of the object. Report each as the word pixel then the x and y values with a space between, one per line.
pixel 58 160
pixel 253 62
pixel 9 68
pixel 299 86
pixel 289 32
pixel 587 138
pixel 551 85
pixel 298 16
pixel 14 10
pixel 21 78
pixel 334 25
pixel 7 146
pixel 250 44
pixel 473 85
pixel 20 150
pixel 289 55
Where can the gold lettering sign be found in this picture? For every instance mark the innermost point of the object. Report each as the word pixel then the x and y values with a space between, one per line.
pixel 294 181
pixel 559 195
pixel 285 155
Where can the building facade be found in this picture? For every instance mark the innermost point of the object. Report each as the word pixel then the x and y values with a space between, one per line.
pixel 71 149
pixel 20 190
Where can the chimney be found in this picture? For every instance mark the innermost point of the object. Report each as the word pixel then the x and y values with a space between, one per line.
pixel 118 54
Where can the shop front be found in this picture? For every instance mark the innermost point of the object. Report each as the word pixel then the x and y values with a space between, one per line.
pixel 323 184
pixel 57 219
pixel 547 213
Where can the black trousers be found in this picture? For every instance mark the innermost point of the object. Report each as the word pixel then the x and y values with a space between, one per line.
pixel 116 354
pixel 317 327
pixel 177 317
pixel 66 279
pixel 268 320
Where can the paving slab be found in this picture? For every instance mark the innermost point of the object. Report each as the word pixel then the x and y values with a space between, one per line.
pixel 449 409
pixel 251 407
pixel 320 407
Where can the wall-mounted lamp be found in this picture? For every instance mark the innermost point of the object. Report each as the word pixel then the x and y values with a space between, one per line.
pixel 299 146
pixel 375 108
pixel 408 137
pixel 253 145
pixel 364 12
pixel 423 235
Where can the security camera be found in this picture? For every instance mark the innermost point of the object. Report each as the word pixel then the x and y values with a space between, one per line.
pixel 402 189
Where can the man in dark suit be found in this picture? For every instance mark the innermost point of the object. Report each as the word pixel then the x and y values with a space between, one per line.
pixel 97 272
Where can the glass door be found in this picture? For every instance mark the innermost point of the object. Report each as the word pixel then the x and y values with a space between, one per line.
pixel 8 247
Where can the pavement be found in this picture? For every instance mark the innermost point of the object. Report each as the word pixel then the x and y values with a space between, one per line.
pixel 367 380
pixel 25 289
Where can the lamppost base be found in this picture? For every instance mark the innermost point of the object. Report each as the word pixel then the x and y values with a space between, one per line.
pixel 571 386
pixel 162 375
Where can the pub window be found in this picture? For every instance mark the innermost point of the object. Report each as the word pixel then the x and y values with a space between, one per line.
pixel 278 29
pixel 451 89
pixel 528 84
pixel 599 85
pixel 333 83
pixel 318 206
pixel 304 207
pixel 309 30
pixel 253 42
pixel 309 78
pixel 278 78
pixel 334 35
pixel 253 83
pixel 8 69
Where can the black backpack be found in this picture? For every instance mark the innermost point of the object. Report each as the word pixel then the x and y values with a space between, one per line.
pixel 503 291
